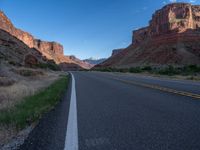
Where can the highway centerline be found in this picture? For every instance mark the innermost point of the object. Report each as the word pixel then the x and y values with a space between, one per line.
pixel 71 140
pixel 161 88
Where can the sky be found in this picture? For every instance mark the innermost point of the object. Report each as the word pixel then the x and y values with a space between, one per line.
pixel 86 28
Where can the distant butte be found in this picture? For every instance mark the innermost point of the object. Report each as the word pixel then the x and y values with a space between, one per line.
pixel 172 37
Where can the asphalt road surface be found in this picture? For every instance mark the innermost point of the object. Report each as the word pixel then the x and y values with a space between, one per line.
pixel 113 111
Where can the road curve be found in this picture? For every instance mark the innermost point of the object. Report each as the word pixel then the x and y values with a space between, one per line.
pixel 114 113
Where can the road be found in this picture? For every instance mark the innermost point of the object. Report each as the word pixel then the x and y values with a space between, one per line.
pixel 114 111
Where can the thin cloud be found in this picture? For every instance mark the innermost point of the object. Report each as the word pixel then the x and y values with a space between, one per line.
pixel 172 1
pixel 164 2
pixel 193 1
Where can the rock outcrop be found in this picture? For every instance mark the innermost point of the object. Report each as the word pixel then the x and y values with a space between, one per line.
pixel 17 53
pixel 51 50
pixel 30 60
pixel 116 51
pixel 172 37
pixel 48 46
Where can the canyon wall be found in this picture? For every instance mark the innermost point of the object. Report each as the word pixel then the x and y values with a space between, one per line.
pixel 28 39
pixel 176 18
pixel 51 50
pixel 171 38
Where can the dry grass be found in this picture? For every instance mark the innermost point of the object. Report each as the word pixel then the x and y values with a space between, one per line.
pixel 26 113
pixel 9 95
pixel 5 81
pixel 28 72
pixel 16 86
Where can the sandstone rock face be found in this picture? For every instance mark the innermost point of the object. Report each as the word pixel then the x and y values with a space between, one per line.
pixel 172 19
pixel 140 35
pixel 172 37
pixel 6 25
pixel 50 50
pixel 49 46
pixel 28 39
pixel 116 51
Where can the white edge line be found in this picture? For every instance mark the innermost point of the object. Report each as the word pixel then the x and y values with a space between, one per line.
pixel 71 139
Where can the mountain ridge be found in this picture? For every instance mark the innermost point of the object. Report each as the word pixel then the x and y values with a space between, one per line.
pixel 94 61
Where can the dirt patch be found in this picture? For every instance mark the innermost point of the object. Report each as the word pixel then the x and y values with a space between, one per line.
pixel 11 138
pixel 6 132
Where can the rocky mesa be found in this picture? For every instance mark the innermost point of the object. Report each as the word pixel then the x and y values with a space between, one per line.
pixel 50 50
pixel 172 38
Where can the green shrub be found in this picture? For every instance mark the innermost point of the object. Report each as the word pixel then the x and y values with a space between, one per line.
pixel 135 70
pixel 147 68
pixel 170 70
pixel 191 69
pixel 49 65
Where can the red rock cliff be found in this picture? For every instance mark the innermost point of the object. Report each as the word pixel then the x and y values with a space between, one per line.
pixel 28 39
pixel 172 38
pixel 51 50
pixel 48 47
pixel 171 19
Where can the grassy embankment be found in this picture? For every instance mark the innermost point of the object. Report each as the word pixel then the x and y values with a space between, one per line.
pixel 31 108
pixel 191 70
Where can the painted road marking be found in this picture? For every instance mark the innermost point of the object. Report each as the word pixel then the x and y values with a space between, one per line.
pixel 71 140
pixel 169 90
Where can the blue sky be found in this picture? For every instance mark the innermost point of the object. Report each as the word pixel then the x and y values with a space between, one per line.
pixel 86 28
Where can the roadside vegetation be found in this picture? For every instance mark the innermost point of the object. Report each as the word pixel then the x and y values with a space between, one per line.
pixel 31 108
pixel 27 72
pixel 25 95
pixel 49 65
pixel 189 70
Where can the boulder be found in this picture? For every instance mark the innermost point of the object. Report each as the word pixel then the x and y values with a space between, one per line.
pixel 30 60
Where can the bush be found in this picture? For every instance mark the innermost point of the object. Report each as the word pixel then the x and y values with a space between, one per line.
pixel 170 70
pixel 49 65
pixel 54 67
pixel 191 69
pixel 147 68
pixel 135 70
pixel 124 70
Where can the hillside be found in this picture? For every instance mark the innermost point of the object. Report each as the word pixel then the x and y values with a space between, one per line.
pixel 15 52
pixel 172 38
